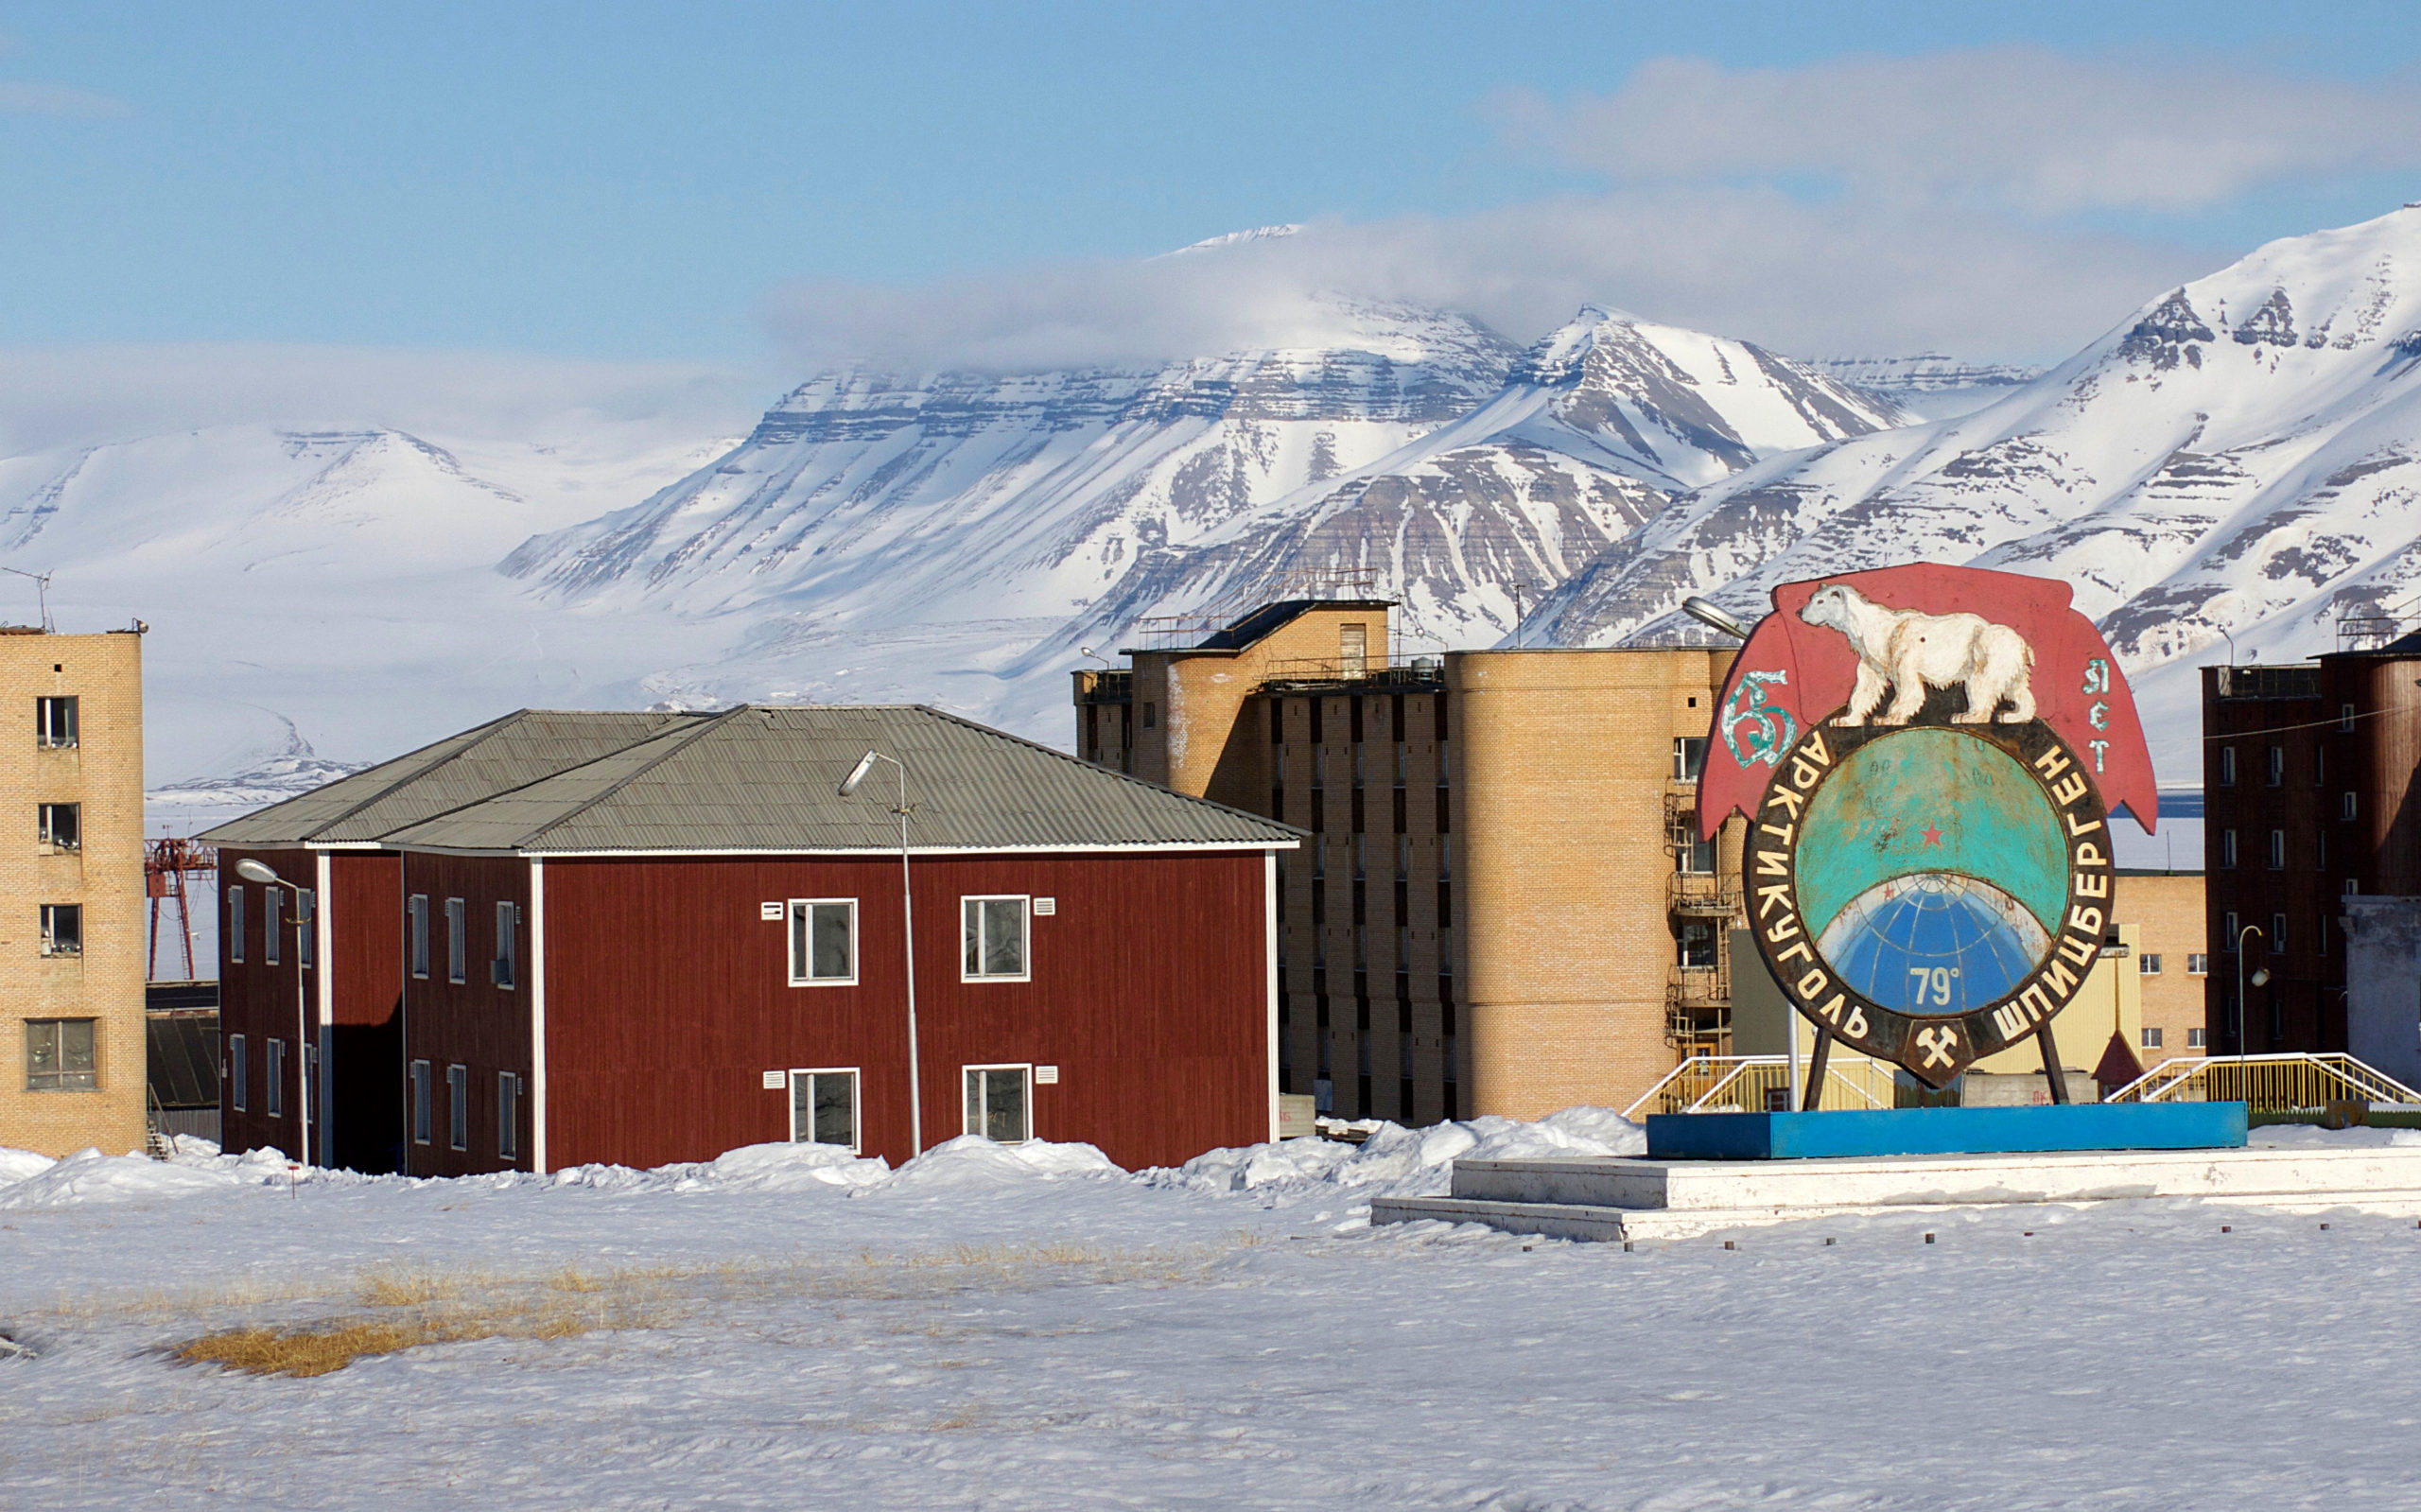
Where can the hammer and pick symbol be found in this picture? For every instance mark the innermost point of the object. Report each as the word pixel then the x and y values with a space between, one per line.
pixel 1938 1043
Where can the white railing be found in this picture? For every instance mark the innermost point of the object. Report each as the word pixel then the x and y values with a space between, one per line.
pixel 1707 1084
pixel 2268 1083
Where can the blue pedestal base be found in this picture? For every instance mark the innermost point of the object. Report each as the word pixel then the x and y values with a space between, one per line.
pixel 1945 1131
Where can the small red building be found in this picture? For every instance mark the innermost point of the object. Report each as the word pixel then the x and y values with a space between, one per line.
pixel 696 941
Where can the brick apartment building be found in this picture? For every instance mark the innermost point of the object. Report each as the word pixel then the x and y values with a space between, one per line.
pixel 1500 908
pixel 72 908
pixel 2309 771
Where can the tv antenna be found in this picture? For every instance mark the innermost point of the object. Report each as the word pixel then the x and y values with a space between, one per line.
pixel 41 593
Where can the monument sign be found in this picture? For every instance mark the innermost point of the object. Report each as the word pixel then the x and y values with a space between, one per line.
pixel 1929 758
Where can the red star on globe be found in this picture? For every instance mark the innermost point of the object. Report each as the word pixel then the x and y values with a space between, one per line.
pixel 1933 835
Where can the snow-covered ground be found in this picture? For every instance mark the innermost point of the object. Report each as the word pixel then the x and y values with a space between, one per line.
pixel 1032 1328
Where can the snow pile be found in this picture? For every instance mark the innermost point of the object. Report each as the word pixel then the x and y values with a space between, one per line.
pixel 971 1160
pixel 1399 1162
pixel 750 1168
pixel 87 1175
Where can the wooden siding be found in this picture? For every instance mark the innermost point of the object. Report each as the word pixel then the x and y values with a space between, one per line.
pixel 669 999
pixel 366 1036
pixel 256 1000
pixel 473 1024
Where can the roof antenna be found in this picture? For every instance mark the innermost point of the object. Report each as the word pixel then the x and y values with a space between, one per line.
pixel 41 593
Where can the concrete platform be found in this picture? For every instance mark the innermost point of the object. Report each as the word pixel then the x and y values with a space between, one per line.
pixel 1606 1198
pixel 1945 1131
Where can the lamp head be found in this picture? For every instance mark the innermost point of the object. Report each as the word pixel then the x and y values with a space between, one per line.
pixel 857 774
pixel 1707 615
pixel 253 871
pixel 2261 978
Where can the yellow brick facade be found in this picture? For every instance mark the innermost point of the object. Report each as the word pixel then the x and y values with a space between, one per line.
pixel 101 774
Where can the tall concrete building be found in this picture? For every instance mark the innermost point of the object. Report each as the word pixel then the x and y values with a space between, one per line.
pixel 70 891
pixel 1502 907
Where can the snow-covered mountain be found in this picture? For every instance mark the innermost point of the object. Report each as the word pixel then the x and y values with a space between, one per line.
pixel 1929 385
pixel 328 586
pixel 957 528
pixel 2242 455
pixel 1598 426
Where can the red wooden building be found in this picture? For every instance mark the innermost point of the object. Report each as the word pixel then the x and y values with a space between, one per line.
pixel 696 941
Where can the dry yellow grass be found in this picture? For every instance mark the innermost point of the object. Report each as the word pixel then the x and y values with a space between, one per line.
pixel 421 1308
pixel 316 1350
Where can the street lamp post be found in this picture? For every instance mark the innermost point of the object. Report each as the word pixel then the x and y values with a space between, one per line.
pixel 2261 978
pixel 908 935
pixel 253 871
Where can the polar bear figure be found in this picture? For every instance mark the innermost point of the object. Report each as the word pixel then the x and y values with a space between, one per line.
pixel 1907 651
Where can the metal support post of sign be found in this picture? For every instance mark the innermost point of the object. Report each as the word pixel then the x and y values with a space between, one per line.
pixel 1816 1071
pixel 2052 1071
pixel 1791 1028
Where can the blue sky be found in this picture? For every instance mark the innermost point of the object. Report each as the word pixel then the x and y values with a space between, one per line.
pixel 745 183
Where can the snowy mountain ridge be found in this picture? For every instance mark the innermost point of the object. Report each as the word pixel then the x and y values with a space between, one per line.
pixel 2239 456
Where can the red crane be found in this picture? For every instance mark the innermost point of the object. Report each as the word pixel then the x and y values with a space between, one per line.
pixel 166 863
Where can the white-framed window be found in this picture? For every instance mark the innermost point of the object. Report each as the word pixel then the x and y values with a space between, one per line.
pixel 507 1114
pixel 824 943
pixel 2197 963
pixel 55 721
pixel 62 1055
pixel 238 1074
pixel 2346 716
pixel 2227 766
pixel 2152 1037
pixel 416 936
pixel 458 1106
pixel 236 925
pixel 2347 809
pixel 275 1100
pixel 310 1082
pixel 2277 774
pixel 62 928
pixel 306 933
pixel 457 942
pixel 2231 930
pixel 823 1108
pixel 420 1102
pixel 59 826
pixel 993 935
pixel 273 903
pixel 2149 963
pixel 1689 758
pixel 2196 1039
pixel 2277 933
pixel 2277 850
pixel 505 968
pixel 1000 1102
pixel 2227 847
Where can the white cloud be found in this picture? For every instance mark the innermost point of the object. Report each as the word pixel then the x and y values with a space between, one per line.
pixel 33 98
pixel 1839 277
pixel 71 396
pixel 2017 126
pixel 1948 219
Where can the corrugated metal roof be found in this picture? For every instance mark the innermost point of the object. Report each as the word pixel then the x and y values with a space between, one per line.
pixel 767 778
pixel 498 757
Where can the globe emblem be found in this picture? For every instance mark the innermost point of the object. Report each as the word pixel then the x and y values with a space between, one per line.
pixel 1935 943
pixel 1933 872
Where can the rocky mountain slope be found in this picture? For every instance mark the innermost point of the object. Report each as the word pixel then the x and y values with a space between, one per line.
pixel 2244 454
pixel 970 532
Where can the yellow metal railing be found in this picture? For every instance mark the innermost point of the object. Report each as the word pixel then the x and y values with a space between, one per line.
pixel 1753 1083
pixel 2267 1083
